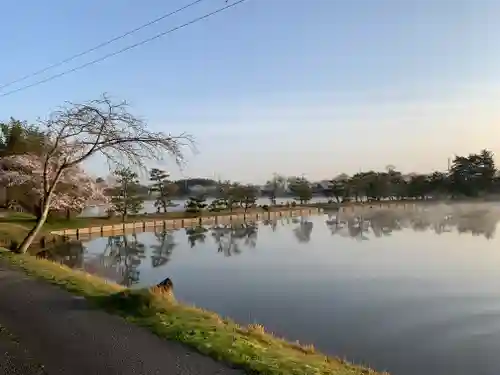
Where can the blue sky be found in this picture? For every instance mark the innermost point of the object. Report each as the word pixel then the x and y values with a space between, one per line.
pixel 317 87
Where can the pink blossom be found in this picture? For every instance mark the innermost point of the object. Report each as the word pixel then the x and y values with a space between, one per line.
pixel 73 191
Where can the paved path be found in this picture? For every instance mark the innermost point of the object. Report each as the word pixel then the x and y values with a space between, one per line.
pixel 67 337
pixel 15 359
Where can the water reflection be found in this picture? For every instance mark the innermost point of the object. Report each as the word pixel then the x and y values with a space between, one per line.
pixel 304 229
pixel 229 238
pixel 122 255
pixel 196 235
pixel 478 221
pixel 162 250
pixel 70 253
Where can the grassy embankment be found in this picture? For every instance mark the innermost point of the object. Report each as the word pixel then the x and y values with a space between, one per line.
pixel 247 347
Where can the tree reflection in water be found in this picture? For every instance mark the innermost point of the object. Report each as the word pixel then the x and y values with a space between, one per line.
pixel 304 230
pixel 381 223
pixel 162 251
pixel 70 253
pixel 123 255
pixel 229 237
pixel 273 224
pixel 196 235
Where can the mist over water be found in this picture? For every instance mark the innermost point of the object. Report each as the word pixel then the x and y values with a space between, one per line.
pixel 410 289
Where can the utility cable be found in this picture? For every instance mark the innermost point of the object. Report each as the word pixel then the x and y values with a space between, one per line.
pixel 103 44
pixel 22 88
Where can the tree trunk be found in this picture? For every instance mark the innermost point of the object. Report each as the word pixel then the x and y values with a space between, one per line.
pixel 38 211
pixel 23 248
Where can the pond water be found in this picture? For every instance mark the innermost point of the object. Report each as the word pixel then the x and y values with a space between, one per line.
pixel 412 291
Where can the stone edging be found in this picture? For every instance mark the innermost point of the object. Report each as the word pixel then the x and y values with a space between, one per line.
pixel 183 223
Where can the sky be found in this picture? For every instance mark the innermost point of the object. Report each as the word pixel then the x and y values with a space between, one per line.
pixel 313 87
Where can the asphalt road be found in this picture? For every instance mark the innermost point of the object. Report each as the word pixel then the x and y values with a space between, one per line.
pixel 67 337
pixel 15 359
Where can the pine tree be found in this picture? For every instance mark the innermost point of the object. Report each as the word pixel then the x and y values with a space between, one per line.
pixel 196 204
pixel 163 187
pixel 126 200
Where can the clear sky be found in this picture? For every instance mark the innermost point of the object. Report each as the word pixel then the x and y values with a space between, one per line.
pixel 317 87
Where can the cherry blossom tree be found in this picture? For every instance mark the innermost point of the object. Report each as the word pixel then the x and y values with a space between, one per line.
pixel 24 173
pixel 77 132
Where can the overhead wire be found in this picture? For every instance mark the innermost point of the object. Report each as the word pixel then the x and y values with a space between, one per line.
pixel 99 46
pixel 157 36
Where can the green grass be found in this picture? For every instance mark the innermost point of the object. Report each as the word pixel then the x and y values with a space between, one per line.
pixel 28 220
pixel 248 347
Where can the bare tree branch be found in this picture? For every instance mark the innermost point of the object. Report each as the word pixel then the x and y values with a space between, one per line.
pixel 104 127
pixel 78 131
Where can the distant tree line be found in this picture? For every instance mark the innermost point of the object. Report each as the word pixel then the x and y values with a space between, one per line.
pixel 23 146
pixel 183 187
pixel 471 176
pixel 127 198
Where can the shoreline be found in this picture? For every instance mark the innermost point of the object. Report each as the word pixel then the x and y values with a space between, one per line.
pixel 250 347
pixel 183 219
pixel 14 226
pixel 183 222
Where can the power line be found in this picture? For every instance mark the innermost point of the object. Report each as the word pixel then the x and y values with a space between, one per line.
pixel 103 44
pixel 22 88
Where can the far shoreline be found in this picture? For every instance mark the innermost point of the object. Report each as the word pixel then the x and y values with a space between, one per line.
pixel 15 225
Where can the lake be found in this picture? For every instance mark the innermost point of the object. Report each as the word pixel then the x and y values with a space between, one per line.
pixel 412 291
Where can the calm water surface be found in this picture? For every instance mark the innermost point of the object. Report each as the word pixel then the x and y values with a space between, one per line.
pixel 411 291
